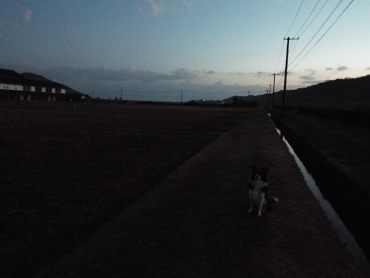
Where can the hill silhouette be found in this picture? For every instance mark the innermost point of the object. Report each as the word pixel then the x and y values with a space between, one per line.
pixel 37 77
pixel 339 92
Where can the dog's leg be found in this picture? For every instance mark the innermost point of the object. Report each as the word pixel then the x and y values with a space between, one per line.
pixel 250 202
pixel 261 204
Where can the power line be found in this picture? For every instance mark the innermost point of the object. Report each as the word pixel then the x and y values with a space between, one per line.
pixel 281 78
pixel 278 84
pixel 336 7
pixel 282 45
pixel 304 23
pixel 293 48
pixel 286 72
pixel 324 33
pixel 315 17
pixel 300 6
pixel 273 91
pixel 281 51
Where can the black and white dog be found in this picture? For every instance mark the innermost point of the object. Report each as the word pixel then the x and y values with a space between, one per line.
pixel 257 189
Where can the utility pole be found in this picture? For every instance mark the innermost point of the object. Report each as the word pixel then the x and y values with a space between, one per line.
pixel 286 72
pixel 270 96
pixel 273 92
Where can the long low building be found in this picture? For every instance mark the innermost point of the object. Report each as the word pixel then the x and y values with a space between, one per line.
pixel 15 86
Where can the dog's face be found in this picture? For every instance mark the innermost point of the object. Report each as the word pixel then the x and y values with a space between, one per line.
pixel 259 173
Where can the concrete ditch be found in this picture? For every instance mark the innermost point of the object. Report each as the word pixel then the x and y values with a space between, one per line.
pixel 346 197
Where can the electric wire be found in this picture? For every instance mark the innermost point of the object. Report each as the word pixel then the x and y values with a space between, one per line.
pixel 314 17
pixel 281 51
pixel 336 7
pixel 297 34
pixel 278 83
pixel 282 45
pixel 304 23
pixel 300 6
pixel 294 44
pixel 323 34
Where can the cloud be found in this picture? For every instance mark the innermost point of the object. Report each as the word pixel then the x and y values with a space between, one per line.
pixel 210 72
pixel 237 73
pixel 27 13
pixel 103 74
pixel 306 77
pixel 367 68
pixel 136 84
pixel 151 8
pixel 342 68
pixel 309 78
pixel 188 4
pixel 155 7
pixel 260 73
pixel 339 68
pixel 182 74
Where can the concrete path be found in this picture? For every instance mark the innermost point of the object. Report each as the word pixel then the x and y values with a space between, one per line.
pixel 195 222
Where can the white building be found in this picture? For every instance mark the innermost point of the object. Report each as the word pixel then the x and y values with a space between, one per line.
pixel 15 86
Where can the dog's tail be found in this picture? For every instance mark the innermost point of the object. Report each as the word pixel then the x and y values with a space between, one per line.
pixel 272 200
pixel 270 203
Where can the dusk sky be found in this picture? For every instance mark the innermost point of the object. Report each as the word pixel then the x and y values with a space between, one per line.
pixel 210 49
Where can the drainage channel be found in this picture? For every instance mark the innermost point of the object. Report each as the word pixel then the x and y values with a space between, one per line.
pixel 336 222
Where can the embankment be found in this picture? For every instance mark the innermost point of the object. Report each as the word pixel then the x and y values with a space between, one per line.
pixel 350 200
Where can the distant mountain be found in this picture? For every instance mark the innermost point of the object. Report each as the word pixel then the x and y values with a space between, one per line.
pixel 340 92
pixel 33 76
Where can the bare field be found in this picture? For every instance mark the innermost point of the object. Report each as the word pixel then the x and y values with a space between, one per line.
pixel 195 222
pixel 68 168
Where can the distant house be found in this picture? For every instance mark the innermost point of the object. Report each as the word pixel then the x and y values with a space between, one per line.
pixel 236 101
pixel 15 86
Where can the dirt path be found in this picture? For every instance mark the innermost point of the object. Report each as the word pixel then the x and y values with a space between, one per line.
pixel 195 222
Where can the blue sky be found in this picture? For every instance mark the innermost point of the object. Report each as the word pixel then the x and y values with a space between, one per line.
pixel 210 49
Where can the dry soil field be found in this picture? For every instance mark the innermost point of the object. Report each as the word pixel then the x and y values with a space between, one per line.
pixel 67 168
pixel 113 190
